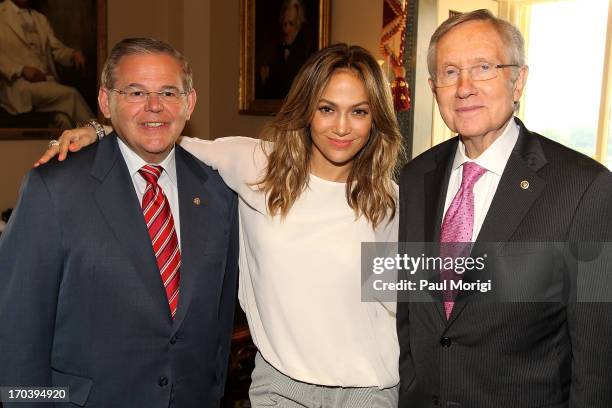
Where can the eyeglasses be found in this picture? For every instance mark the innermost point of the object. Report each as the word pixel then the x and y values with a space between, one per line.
pixel 135 95
pixel 479 72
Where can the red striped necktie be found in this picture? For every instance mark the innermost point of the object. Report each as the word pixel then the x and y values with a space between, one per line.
pixel 160 223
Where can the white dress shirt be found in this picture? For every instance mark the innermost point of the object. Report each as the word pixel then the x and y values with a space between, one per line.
pixel 494 160
pixel 167 180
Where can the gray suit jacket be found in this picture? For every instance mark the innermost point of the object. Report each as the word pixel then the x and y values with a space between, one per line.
pixel 514 354
pixel 81 300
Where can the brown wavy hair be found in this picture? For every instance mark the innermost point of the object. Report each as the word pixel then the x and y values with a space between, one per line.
pixel 369 188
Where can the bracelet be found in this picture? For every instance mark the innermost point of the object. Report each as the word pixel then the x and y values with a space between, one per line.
pixel 96 126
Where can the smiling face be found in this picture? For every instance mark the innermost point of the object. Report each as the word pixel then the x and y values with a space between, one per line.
pixel 477 110
pixel 340 127
pixel 149 128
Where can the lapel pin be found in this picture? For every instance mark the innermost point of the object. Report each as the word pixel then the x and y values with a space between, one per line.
pixel 196 200
pixel 524 184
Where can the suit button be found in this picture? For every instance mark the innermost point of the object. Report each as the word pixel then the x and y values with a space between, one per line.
pixel 445 342
pixel 173 340
pixel 162 381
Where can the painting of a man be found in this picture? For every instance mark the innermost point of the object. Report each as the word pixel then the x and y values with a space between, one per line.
pixel 29 80
pixel 292 43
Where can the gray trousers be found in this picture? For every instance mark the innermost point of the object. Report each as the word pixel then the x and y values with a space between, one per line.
pixel 271 388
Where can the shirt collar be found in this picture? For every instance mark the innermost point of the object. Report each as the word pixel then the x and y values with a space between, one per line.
pixel 134 162
pixel 495 157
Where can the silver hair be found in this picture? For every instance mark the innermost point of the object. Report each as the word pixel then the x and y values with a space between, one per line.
pixel 511 37
pixel 135 46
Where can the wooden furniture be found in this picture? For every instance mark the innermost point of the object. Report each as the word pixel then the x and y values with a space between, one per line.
pixel 241 364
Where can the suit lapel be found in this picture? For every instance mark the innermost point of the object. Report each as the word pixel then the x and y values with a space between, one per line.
pixel 118 202
pixel 199 215
pixel 512 200
pixel 14 22
pixel 436 185
pixel 191 180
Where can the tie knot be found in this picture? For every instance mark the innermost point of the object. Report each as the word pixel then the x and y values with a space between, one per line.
pixel 471 174
pixel 151 173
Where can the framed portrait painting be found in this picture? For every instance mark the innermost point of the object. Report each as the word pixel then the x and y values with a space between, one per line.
pixel 51 55
pixel 277 37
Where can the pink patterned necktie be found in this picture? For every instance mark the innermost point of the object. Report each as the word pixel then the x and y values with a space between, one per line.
pixel 457 227
pixel 160 224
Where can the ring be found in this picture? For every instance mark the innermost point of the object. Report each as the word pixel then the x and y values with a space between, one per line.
pixel 53 143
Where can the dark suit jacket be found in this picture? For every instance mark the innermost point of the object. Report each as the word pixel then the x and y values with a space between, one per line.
pixel 81 300
pixel 515 354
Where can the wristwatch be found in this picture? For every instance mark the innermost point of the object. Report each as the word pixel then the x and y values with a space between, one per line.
pixel 96 126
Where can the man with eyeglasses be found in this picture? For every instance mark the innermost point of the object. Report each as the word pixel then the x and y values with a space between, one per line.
pixel 118 270
pixel 535 340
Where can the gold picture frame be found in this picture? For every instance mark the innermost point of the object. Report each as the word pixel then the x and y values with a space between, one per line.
pixel 269 56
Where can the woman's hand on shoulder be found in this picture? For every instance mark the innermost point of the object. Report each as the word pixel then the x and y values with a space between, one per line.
pixel 71 140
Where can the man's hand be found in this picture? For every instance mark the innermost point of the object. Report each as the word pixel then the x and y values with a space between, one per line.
pixel 33 74
pixel 79 60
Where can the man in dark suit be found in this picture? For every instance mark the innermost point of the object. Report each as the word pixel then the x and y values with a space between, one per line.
pixel 498 182
pixel 118 268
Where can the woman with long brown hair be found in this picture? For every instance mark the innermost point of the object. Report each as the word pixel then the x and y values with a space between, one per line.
pixel 316 185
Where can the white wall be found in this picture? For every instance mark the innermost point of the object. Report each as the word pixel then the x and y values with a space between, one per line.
pixel 357 22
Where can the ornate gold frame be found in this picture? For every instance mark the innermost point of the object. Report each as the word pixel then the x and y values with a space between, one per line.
pixel 247 103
